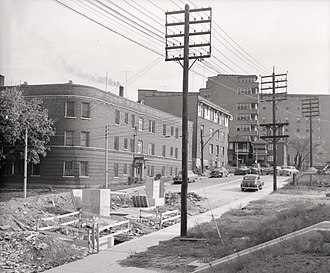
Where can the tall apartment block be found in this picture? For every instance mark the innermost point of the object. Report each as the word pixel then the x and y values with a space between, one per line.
pixel 240 95
pixel 210 125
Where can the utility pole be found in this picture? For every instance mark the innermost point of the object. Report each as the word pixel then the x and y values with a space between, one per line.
pixel 25 161
pixel 106 156
pixel 181 42
pixel 277 82
pixel 310 109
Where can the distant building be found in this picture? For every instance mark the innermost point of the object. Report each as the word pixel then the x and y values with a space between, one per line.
pixel 290 111
pixel 142 141
pixel 240 95
pixel 210 125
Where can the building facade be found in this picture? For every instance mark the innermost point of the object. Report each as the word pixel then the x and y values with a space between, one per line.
pixel 210 125
pixel 240 95
pixel 141 141
pixel 290 111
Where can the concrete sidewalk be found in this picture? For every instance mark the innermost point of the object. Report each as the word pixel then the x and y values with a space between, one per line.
pixel 108 260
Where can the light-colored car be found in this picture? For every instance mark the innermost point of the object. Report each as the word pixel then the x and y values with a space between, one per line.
pixel 288 171
pixel 192 177
pixel 251 182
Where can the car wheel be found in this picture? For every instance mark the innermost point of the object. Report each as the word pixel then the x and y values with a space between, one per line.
pixel 242 189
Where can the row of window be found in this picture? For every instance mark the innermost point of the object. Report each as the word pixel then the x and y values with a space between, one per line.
pixel 247 90
pixel 246 116
pixel 219 150
pixel 246 127
pixel 246 80
pixel 213 115
pixel 247 106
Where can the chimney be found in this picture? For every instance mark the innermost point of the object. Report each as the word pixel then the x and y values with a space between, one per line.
pixel 2 80
pixel 121 91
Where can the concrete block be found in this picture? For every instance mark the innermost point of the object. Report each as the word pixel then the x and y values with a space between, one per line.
pixel 96 201
pixel 76 195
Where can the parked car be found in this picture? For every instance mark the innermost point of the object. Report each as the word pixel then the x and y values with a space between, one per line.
pixel 219 172
pixel 256 169
pixel 288 171
pixel 242 170
pixel 251 182
pixel 192 177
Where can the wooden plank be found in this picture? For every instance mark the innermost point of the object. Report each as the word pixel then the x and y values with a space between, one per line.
pixel 54 226
pixel 60 216
pixel 106 237
pixel 114 225
pixel 169 212
pixel 171 218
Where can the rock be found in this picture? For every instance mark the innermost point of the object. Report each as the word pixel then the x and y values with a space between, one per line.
pixel 5 227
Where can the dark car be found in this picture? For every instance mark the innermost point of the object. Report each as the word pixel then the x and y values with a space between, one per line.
pixel 191 177
pixel 219 172
pixel 242 170
pixel 251 182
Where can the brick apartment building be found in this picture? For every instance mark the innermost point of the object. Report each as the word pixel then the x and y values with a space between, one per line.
pixel 142 141
pixel 290 111
pixel 240 95
pixel 210 125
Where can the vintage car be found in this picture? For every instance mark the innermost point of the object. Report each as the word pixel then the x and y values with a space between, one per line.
pixel 251 182
pixel 219 172
pixel 288 171
pixel 242 170
pixel 191 177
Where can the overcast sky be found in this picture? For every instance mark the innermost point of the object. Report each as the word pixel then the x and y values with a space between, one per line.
pixel 43 42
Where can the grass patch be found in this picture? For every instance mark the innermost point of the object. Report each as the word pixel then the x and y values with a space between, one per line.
pixel 242 228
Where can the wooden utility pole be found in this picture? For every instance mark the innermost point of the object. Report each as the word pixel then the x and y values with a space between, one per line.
pixel 277 82
pixel 174 43
pixel 106 156
pixel 310 109
pixel 25 161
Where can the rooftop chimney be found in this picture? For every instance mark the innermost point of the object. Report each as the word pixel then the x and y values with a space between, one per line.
pixel 121 91
pixel 2 80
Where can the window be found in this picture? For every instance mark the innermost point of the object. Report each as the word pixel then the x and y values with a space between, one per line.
pixel 126 118
pixel 125 143
pixel 223 137
pixel 163 170
pixel 244 146
pixel 83 168
pixel 176 132
pixel 151 171
pixel 69 135
pixel 84 139
pixel 35 169
pixel 69 110
pixel 270 146
pixel 217 135
pixel 85 110
pixel 125 168
pixel 140 147
pixel 211 132
pixel 68 168
pixel 211 148
pixel 231 145
pixel 171 151
pixel 217 149
pixel 171 171
pixel 164 129
pixel 132 145
pixel 117 117
pixel 164 150
pixel 152 126
pixel 115 169
pixel 133 121
pixel 176 152
pixel 222 152
pixel 151 149
pixel 141 124
pixel 172 131
pixel 116 143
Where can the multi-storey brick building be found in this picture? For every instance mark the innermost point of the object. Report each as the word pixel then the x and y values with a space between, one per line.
pixel 142 141
pixel 290 111
pixel 210 124
pixel 240 95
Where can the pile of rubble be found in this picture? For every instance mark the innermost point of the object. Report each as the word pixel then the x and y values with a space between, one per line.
pixel 31 251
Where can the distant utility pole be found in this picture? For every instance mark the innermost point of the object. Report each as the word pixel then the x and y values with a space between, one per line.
pixel 106 156
pixel 310 109
pixel 178 42
pixel 274 82
pixel 126 72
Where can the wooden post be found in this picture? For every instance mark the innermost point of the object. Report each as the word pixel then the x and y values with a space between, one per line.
pixel 97 238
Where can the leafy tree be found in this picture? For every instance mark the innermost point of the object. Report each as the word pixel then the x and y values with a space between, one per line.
pixel 301 146
pixel 16 115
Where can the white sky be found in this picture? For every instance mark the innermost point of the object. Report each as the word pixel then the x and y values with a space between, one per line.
pixel 44 42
